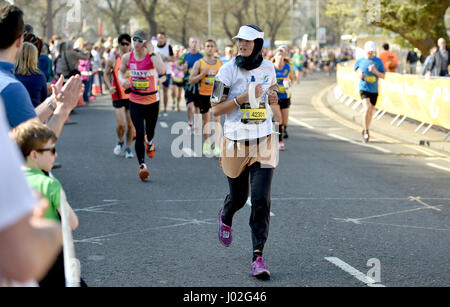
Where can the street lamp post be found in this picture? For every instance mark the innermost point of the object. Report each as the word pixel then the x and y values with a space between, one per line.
pixel 317 23
pixel 209 19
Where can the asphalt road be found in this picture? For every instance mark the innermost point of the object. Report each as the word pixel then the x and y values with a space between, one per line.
pixel 336 205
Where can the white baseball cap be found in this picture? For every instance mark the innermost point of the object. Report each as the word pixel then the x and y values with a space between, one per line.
pixel 248 33
pixel 370 46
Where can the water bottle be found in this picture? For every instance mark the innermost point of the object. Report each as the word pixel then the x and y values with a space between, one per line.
pixel 254 102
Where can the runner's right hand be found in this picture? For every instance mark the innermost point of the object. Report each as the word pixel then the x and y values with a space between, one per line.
pixel 258 92
pixel 112 90
pixel 126 84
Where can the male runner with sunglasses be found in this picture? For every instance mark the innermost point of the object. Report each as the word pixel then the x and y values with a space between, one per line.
pixel 120 99
pixel 145 68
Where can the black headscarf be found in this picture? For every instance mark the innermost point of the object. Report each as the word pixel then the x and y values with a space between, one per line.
pixel 256 58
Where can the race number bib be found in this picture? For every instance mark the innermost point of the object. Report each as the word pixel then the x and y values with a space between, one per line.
pixel 253 116
pixel 209 80
pixel 370 79
pixel 141 84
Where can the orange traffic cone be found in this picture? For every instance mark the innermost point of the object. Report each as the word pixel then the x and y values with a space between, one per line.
pixel 96 90
pixel 81 102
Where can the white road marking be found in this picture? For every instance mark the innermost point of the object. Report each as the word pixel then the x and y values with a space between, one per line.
pixel 164 125
pixel 418 199
pixel 359 144
pixel 358 220
pixel 439 167
pixel 100 239
pixel 354 272
pixel 407 226
pixel 317 119
pixel 298 122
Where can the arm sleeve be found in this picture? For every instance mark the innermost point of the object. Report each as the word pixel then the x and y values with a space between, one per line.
pixel 17 200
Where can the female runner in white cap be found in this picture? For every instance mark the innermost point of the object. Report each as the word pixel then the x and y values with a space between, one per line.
pixel 243 91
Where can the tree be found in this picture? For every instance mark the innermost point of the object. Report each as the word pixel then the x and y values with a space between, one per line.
pixel 235 13
pixel 274 19
pixel 183 19
pixel 148 9
pixel 420 22
pixel 117 11
pixel 47 19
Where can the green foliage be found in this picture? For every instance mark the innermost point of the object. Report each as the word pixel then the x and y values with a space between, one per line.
pixel 420 22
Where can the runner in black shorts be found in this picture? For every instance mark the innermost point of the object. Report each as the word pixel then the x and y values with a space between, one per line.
pixel 284 103
pixel 373 97
pixel 369 69
pixel 203 103
pixel 123 103
pixel 120 99
pixel 204 73
pixel 191 90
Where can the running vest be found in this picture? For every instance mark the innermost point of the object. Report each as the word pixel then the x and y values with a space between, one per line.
pixel 165 51
pixel 207 83
pixel 144 80
pixel 283 74
pixel 120 91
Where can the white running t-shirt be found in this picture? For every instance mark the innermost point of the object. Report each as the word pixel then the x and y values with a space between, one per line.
pixel 166 51
pixel 238 79
pixel 16 197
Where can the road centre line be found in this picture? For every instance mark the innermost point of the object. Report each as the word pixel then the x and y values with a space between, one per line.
pixel 439 167
pixel 298 122
pixel 354 272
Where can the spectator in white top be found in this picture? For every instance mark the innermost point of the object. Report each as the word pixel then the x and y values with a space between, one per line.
pixel 28 244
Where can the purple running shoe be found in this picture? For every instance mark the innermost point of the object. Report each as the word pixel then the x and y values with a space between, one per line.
pixel 225 235
pixel 259 269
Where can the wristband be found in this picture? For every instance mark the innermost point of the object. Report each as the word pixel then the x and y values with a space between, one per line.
pixel 236 103
pixel 51 105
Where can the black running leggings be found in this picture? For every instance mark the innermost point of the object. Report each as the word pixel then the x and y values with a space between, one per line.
pixel 260 182
pixel 144 118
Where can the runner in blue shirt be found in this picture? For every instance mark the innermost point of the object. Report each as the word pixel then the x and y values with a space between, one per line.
pixel 371 68
pixel 191 90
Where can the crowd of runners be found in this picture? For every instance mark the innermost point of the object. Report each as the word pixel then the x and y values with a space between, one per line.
pixel 244 86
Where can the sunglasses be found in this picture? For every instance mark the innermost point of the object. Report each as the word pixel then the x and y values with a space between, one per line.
pixel 52 150
pixel 140 41
pixel 125 44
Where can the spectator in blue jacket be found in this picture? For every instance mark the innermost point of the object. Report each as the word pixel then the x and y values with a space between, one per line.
pixel 32 78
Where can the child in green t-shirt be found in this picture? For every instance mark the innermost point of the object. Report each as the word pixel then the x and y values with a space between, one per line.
pixel 37 143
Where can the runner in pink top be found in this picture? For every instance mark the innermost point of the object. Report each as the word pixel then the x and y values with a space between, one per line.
pixel 144 80
pixel 145 68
